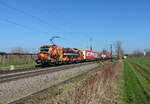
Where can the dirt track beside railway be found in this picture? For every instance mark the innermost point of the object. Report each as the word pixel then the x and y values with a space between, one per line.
pixel 14 90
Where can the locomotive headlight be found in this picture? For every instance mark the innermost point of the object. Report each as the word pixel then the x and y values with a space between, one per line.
pixel 49 57
pixel 42 55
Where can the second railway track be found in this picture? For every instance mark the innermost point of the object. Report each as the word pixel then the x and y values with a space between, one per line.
pixel 33 72
pixel 15 86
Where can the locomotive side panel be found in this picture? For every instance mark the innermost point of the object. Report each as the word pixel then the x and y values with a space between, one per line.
pixel 72 54
pixel 56 55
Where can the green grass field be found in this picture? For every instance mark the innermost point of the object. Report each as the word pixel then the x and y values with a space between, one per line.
pixel 136 81
pixel 141 61
pixel 17 65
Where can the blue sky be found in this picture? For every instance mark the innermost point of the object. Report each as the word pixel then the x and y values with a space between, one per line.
pixel 75 21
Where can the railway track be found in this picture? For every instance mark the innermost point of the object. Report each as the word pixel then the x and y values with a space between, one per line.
pixel 15 86
pixel 33 72
pixel 22 100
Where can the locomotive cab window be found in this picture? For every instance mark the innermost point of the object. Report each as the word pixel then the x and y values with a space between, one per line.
pixel 44 50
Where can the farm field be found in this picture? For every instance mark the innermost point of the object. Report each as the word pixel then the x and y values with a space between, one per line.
pixel 136 81
pixel 18 61
pixel 17 66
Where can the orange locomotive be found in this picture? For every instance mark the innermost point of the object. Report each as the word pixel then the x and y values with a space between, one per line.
pixel 52 54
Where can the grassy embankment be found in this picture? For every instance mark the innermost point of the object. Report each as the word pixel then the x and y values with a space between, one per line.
pixel 18 61
pixel 17 65
pixel 136 81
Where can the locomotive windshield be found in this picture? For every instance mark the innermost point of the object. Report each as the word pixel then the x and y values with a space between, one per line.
pixel 44 50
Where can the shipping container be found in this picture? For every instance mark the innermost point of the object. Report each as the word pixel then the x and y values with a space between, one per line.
pixel 89 55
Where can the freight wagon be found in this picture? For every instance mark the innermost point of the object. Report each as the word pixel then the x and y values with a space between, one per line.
pixel 90 55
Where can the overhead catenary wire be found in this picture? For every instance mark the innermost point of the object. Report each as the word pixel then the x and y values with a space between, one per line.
pixel 4 4
pixel 23 12
pixel 20 25
pixel 27 13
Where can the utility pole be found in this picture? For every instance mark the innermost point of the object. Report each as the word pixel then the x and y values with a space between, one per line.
pixel 91 48
pixel 111 52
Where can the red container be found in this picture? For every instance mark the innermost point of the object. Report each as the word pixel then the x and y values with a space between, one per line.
pixel 108 56
pixel 99 56
pixel 89 55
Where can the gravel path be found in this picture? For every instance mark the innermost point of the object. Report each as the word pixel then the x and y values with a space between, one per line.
pixel 14 90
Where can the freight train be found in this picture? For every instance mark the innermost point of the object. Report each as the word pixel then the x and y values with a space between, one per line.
pixel 52 54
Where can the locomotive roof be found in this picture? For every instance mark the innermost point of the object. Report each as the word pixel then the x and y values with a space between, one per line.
pixel 47 46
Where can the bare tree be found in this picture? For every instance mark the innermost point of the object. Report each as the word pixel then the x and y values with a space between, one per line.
pixel 19 50
pixel 137 53
pixel 118 48
pixel 104 51
pixel 34 51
